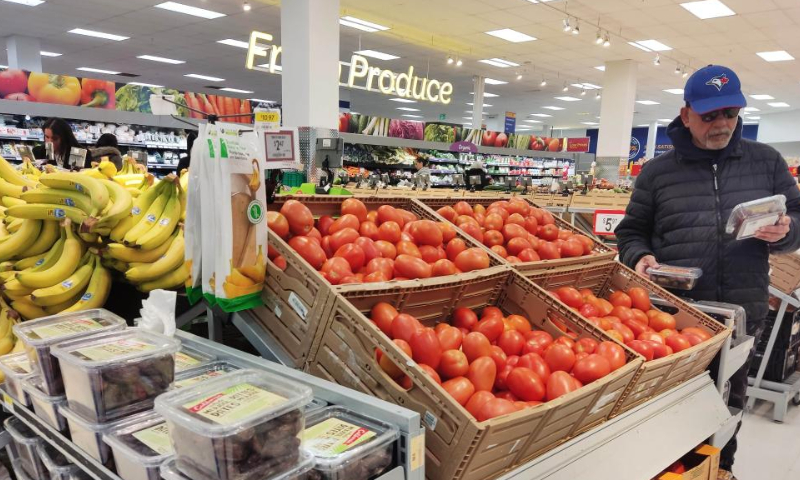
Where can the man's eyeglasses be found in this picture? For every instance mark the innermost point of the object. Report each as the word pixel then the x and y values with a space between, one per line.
pixel 729 113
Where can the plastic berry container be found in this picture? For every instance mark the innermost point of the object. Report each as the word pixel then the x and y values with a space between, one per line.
pixel 114 375
pixel 41 334
pixel 241 426
pixel 27 443
pixel 677 278
pixel 170 471
pixel 16 367
pixel 213 370
pixel 746 218
pixel 58 465
pixel 188 358
pixel 45 406
pixel 140 449
pixel 88 436
pixel 347 445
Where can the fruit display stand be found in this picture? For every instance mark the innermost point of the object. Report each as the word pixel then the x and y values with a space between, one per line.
pixel 784 272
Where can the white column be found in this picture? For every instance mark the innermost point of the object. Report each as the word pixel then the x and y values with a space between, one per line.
pixel 477 101
pixel 310 59
pixel 24 53
pixel 616 111
pixel 652 132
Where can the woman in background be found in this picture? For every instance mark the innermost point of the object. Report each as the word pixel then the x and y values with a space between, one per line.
pixel 58 132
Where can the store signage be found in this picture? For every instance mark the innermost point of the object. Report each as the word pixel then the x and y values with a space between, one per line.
pixel 464 147
pixel 636 147
pixel 280 149
pixel 580 144
pixel 360 74
pixel 606 221
pixel 511 123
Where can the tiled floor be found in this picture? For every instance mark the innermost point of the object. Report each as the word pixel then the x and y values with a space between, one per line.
pixel 769 450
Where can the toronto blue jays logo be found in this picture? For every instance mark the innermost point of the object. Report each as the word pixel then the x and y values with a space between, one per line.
pixel 719 81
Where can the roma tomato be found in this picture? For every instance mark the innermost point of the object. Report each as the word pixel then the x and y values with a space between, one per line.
pixel 448 231
pixel 492 327
pixel 448 213
pixel 535 362
pixel 370 250
pixel 571 248
pixel 383 314
pixel 429 254
pixel 454 248
pixel 559 384
pixel 502 375
pixel 678 342
pixel 426 347
pixel 588 345
pixel 404 327
pixel 604 306
pixel 463 208
pixel 625 314
pixel 464 318
pixel 500 250
pixel 355 207
pixel 591 368
pixel 431 372
pixel 639 298
pixel 309 250
pixel 512 230
pixel 548 232
pixel 426 232
pixel 559 357
pixel 494 408
pixel 277 224
pixel 652 337
pixel 537 344
pixel 411 267
pixel 387 249
pixel 588 243
pixel 387 365
pixel 493 238
pixel 390 232
pixel 511 341
pixel 383 265
pixel 499 356
pixel 703 334
pixel 662 321
pixel 620 298
pixel 613 353
pixel 342 238
pixel 408 248
pixel 472 259
pixel 453 364
pixel 450 338
pixel 570 296
pixel 387 213
pixel 443 268
pixel 531 224
pixel 529 255
pixel 477 401
pixel 345 221
pixel 473 230
pixel 516 218
pixel 525 384
pixel 548 251
pixel 476 345
pixel 643 348
pixel 637 327
pixel 353 254
pixel 489 312
pixel 336 269
pixel 519 323
pixel 517 245
pixel 460 388
pixel 493 221
pixel 300 218
pixel 482 373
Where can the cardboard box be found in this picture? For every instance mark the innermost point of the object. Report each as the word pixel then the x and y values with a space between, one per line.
pixel 702 464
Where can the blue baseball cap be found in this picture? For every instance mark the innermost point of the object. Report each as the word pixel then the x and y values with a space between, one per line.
pixel 713 88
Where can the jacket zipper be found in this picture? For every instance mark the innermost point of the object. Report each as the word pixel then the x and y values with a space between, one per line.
pixel 719 233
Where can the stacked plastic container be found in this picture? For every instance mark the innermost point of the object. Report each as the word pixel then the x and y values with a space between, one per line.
pixel 25 454
pixel 17 368
pixel 139 449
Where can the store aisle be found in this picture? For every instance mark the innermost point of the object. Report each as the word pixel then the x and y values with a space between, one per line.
pixel 769 450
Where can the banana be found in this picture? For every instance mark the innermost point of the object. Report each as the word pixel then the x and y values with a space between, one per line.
pixel 7 275
pixel 51 232
pixel 11 201
pixel 6 345
pixel 44 211
pixel 13 287
pixel 169 262
pixel 14 224
pixel 236 278
pixel 7 266
pixel 140 206
pixel 166 224
pixel 258 272
pixel 58 196
pixel 60 307
pixel 149 219
pixel 121 206
pixel 11 175
pixel 19 347
pixel 97 291
pixel 9 189
pixel 107 168
pixel 50 258
pixel 29 262
pixel 16 243
pixel 89 237
pixel 119 251
pixel 63 268
pixel 82 183
pixel 4 233
pixel 173 279
pixel 117 265
pixel 69 288
pixel 27 309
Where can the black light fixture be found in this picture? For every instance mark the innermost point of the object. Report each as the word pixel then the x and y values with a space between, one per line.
pixel 544 83
pixel 459 63
pixel 607 41
pixel 657 60
pixel 450 60
pixel 567 26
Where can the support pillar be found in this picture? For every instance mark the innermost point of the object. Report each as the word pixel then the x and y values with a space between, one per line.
pixel 479 85
pixel 652 132
pixel 24 53
pixel 616 117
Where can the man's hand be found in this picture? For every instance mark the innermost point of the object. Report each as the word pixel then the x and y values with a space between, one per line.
pixel 644 263
pixel 775 232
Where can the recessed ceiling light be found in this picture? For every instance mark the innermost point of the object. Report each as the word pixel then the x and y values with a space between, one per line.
pixel 485 104
pixel 492 81
pixel 153 58
pixel 97 70
pixel 590 123
pixel 189 10
pixel 553 108
pixel 640 47
pixel 708 9
pixel 49 54
pixel 511 35
pixel 674 91
pixel 363 25
pixel 27 3
pixel 647 102
pixel 779 104
pixel 92 33
pixel 204 77
pixel 542 115
pixel 653 45
pixel 643 125
pixel 602 68
pixel 499 62
pixel 377 54
pixel 486 94
pixel 530 120
pixel 235 90
pixel 411 116
pixel 240 44
pixel 408 109
pixel 762 97
pixel 776 56
pixel 146 84
pixel 751 109
pixel 402 100
pixel 568 99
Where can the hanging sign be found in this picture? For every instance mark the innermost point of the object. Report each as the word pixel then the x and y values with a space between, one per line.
pixel 511 123
pixel 464 147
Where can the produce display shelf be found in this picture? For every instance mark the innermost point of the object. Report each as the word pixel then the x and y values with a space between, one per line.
pixel 679 419
pixel 162 166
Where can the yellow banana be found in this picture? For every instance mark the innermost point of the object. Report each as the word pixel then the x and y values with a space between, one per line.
pixel 50 258
pixel 115 264
pixel 173 279
pixel 14 224
pixel 7 276
pixel 140 206
pixel 149 219
pixel 44 211
pixel 29 262
pixel 58 196
pixel 11 201
pixel 236 278
pixel 97 291
pixel 60 307
pixel 165 225
pixel 65 266
pixel 13 287
pixel 119 251
pixel 121 206
pixel 169 262
pixel 19 347
pixel 69 288
pixel 257 272
pixel 107 168
pixel 6 345
pixel 11 175
pixel 82 183
pixel 24 237
pixel 9 189
pixel 27 309
pixel 51 232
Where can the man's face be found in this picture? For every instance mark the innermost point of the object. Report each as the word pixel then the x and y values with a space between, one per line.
pixel 713 135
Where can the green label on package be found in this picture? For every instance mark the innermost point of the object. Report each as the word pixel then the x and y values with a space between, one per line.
pixel 67 327
pixel 198 379
pixel 156 438
pixel 234 404
pixel 112 350
pixel 334 437
pixel 183 361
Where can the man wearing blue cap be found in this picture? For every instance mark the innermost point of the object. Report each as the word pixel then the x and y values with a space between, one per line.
pixel 683 198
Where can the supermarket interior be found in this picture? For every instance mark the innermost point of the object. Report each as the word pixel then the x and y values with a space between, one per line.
pixel 399 239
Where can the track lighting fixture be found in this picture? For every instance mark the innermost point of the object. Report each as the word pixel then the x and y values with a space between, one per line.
pixel 246 6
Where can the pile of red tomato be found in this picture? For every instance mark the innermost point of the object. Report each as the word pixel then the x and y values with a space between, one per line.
pixel 374 246
pixel 630 318
pixel 494 364
pixel 517 231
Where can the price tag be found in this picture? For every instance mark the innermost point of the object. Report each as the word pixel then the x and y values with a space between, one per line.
pixel 268 117
pixel 606 221
pixel 280 146
pixel 8 402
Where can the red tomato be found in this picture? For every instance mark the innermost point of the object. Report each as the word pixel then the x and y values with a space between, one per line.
pixel 479 217
pixel 513 259
pixel 431 372
pixel 639 298
pixel 476 345
pixel 516 245
pixel 566 341
pixel 453 363
pixel 426 347
pixel 383 314
pixel 627 333
pixel 464 318
pixel 519 323
pixel 343 237
pixel 353 254
pixel 390 232
pixel 375 277
pixel 531 224
pixel 511 341
pixel 588 243
pixel 703 334
pixel 472 259
pixel 490 312
pixel 300 218
pixel 589 310
pixel 548 251
pixel 548 232
pixel 659 349
pixel 494 408
pixel 336 269
pixel 643 348
pixel 512 230
pixel 404 327
pixel 370 230
pixel 640 316
pixel 372 216
pixel 443 267
pixel 516 219
pixel 460 388
pixel 559 384
pixel 537 344
pixel 620 298
pixel 525 384
pixel 693 339
pixel 411 267
pixel 426 232
pixel 604 306
pixel 492 327
pixel 345 221
pixel 482 373
pixel 428 253
pixel 678 342
pixel 499 356
pixel 637 327
pixel 493 221
pixel 448 231
pixel 500 250
pixel 591 368
pixel 371 251
pixel 450 338
pixel 448 213
pixel 407 216
pixel 277 224
pixel 502 376
pixel 454 247
pixel 473 230
pixel 572 248
pixel 652 337
pixel 570 296
pixel 387 213
pixel 386 249
pixel 493 238
pixel 309 250
pixel 502 212
pixel 662 321
pixel 625 314
pixel 529 255
pixel 383 265
pixel 613 353
pixel 588 345
pixel 559 357
pixel 408 248
pixel 463 208
pixel 477 400
pixel 535 362
pixel 387 365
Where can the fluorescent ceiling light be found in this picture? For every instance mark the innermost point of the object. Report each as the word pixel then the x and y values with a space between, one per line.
pixel 778 104
pixel 587 86
pixel 499 62
pixel 363 25
pixel 568 99
pixel 640 47
pixel 553 108
pixel 602 68
pixel 542 115
pixel 486 94
pixel 146 84
pixel 271 101
pixel 235 90
pixel 204 77
pixel 524 129
pixel 776 56
pixel 3 66
pixel 762 97
pixel 92 33
pixel 674 91
pixel 643 125
pixel 511 35
pixel 590 123
pixel 377 54
pixel 647 102
pixel 492 81
pixel 485 104
pixel 234 43
pixel 708 9
pixel 27 3
pixel 530 120
pixel 666 120
pixel 153 58
pixel 408 109
pixel 98 70
pixel 188 10
pixel 467 118
pixel 754 118
pixel 411 116
pixel 751 109
pixel 402 100
pixel 654 45
pixel 278 68
pixel 49 54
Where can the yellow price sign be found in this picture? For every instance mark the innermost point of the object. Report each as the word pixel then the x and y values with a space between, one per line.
pixel 268 117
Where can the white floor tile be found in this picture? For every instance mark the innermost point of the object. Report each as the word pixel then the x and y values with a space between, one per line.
pixel 769 450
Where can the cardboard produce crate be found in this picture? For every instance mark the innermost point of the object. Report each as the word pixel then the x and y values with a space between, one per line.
pixel 296 299
pixel 458 446
pixel 601 252
pixel 551 199
pixel 656 376
pixel 785 272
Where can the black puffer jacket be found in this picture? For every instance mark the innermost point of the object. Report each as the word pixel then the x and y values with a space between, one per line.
pixel 676 215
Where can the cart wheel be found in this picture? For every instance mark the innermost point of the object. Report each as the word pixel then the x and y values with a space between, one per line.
pixel 796 400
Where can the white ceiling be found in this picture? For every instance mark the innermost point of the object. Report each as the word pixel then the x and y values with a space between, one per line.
pixel 424 32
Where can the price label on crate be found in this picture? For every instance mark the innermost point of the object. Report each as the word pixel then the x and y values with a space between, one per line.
pixel 606 221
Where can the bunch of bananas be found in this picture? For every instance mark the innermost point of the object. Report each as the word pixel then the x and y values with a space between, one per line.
pixel 8 342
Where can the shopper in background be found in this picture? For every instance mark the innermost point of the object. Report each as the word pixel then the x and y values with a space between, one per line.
pixel 476 170
pixel 58 132
pixel 106 146
pixel 186 160
pixel 423 175
pixel 683 198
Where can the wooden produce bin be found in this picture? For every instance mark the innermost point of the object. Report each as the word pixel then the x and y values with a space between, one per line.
pixel 458 447
pixel 785 272
pixel 551 199
pixel 656 376
pixel 296 299
pixel 601 200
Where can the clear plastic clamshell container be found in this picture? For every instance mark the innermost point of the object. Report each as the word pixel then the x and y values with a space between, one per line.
pixel 26 443
pixel 677 278
pixel 114 375
pixel 57 464
pixel 88 436
pixel 170 471
pixel 746 218
pixel 41 334
pixel 140 449
pixel 19 471
pixel 188 358
pixel 347 445
pixel 45 406
pixel 193 376
pixel 241 426
pixel 16 367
